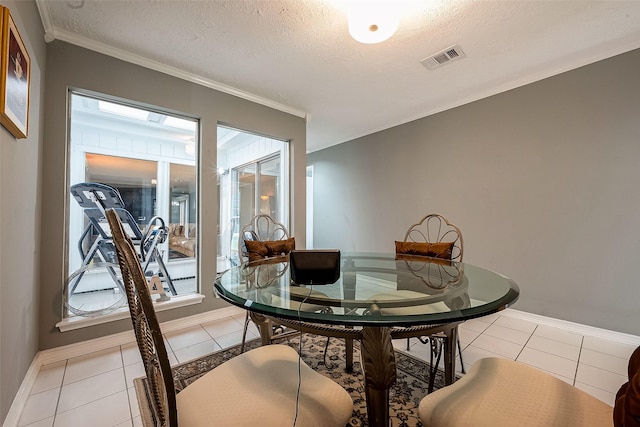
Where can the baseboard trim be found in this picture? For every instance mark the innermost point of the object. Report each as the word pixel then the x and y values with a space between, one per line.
pixel 53 355
pixel 606 334
pixel 15 411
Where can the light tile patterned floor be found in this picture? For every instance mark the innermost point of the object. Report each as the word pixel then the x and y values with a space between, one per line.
pixel 97 389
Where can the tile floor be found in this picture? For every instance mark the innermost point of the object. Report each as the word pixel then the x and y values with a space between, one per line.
pixel 97 389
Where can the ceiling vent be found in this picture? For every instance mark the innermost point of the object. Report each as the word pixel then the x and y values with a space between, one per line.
pixel 441 58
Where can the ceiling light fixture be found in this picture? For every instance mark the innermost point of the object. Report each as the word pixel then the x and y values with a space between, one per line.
pixel 372 21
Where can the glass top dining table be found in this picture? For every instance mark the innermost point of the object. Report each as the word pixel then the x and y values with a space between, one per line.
pixel 373 290
pixel 377 297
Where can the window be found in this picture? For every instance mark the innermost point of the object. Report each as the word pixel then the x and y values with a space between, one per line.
pixel 148 157
pixel 253 178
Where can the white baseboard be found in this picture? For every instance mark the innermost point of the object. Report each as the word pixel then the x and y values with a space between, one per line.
pixel 15 411
pixel 53 355
pixel 574 327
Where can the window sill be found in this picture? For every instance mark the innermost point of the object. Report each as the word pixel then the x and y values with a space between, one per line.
pixel 78 322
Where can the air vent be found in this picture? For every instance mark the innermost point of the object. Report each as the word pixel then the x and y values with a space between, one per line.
pixel 444 57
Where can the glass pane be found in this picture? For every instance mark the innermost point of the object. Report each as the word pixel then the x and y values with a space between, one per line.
pixel 182 222
pixel 246 193
pixel 134 179
pixel 269 187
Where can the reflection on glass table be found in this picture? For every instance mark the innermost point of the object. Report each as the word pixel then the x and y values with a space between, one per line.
pixel 377 298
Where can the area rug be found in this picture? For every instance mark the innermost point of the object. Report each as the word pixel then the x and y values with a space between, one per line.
pixel 404 398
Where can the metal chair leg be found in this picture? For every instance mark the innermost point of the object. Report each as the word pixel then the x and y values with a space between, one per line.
pixel 460 354
pixel 244 332
pixel 435 350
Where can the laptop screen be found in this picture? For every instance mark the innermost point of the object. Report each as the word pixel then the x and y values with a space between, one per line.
pixel 315 267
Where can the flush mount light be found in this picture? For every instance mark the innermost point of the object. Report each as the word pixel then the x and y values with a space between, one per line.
pixel 372 22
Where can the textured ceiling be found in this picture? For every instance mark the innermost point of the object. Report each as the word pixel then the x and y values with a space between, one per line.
pixel 297 55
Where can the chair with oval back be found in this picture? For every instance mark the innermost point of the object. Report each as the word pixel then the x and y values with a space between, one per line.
pixel 436 237
pixel 237 392
pixel 434 229
pixel 259 232
pixel 261 228
pixel 262 242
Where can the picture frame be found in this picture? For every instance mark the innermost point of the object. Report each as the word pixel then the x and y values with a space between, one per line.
pixel 15 78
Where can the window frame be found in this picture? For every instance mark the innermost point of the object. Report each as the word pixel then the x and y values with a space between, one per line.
pixel 75 155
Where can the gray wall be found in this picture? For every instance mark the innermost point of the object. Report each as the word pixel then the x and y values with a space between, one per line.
pixel 542 180
pixel 74 67
pixel 20 221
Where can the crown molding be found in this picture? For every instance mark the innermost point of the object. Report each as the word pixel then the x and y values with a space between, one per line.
pixel 47 21
pixel 52 33
pixel 172 71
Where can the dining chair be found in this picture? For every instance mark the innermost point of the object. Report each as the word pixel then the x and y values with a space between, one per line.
pixel 502 392
pixel 263 238
pixel 268 386
pixel 434 236
pixel 262 242
pixel 272 237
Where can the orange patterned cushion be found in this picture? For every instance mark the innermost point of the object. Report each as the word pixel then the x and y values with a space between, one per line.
pixel 259 250
pixel 442 250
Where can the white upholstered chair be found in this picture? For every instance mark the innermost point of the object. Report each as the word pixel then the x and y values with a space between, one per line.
pixel 501 392
pixel 268 386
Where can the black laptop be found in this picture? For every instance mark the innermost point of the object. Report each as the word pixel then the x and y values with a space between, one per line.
pixel 315 267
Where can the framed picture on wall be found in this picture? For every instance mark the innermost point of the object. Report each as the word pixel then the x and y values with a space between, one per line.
pixel 14 78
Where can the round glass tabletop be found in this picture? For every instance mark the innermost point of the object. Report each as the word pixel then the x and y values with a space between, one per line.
pixel 373 289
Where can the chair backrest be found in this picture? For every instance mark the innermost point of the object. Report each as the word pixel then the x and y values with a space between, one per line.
pixel 435 228
pixel 95 198
pixel 260 228
pixel 145 326
pixel 95 194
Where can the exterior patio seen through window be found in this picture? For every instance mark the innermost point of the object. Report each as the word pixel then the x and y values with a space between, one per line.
pixel 142 163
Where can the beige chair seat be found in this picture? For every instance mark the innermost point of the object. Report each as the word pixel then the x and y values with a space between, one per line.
pixel 258 388
pixel 291 304
pixel 306 292
pixel 501 392
pixel 436 307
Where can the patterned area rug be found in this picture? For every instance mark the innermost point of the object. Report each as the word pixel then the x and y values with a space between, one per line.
pixel 410 388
